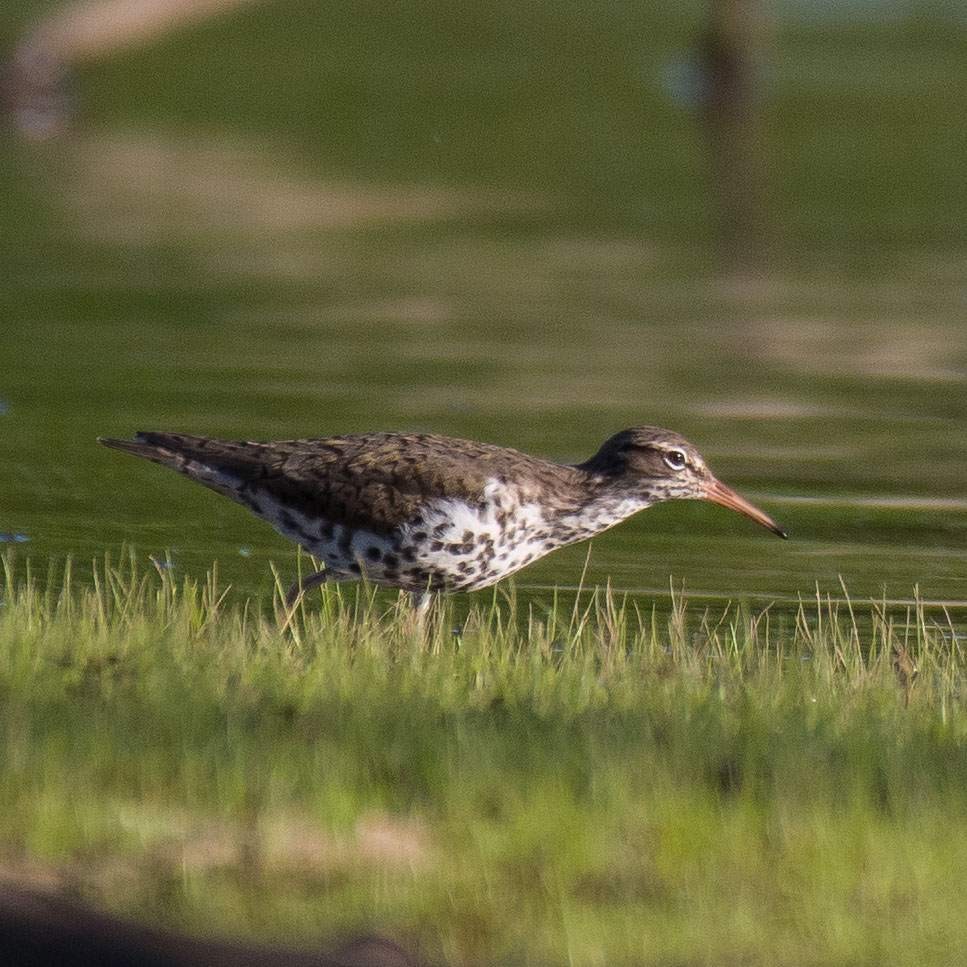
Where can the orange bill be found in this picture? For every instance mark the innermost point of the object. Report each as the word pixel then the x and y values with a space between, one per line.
pixel 718 493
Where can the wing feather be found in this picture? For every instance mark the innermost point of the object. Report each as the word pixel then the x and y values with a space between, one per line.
pixel 372 480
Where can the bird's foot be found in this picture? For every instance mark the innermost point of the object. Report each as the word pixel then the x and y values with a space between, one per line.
pixel 300 587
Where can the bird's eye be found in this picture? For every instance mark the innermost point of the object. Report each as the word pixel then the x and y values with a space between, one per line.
pixel 675 459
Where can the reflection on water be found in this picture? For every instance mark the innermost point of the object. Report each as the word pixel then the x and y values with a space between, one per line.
pixel 136 189
pixel 211 286
pixel 899 502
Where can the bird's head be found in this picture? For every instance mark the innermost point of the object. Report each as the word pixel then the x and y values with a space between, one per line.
pixel 656 464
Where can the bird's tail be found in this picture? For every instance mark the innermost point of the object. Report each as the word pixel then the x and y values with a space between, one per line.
pixel 220 465
pixel 168 449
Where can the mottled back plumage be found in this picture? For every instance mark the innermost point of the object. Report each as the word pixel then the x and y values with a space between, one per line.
pixel 373 480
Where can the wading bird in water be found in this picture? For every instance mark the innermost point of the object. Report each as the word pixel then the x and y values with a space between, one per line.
pixel 428 513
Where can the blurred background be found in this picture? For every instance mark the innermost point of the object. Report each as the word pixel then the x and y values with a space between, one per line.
pixel 532 223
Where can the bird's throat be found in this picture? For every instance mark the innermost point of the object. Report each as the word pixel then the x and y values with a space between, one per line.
pixel 598 514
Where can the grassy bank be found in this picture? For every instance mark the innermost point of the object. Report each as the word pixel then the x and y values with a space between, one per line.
pixel 593 784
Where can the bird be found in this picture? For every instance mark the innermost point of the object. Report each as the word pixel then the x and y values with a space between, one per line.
pixel 428 513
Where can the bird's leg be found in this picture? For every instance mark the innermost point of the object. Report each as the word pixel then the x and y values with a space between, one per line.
pixel 421 601
pixel 306 584
pixel 416 619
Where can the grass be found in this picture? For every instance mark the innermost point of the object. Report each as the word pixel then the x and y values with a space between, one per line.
pixel 589 783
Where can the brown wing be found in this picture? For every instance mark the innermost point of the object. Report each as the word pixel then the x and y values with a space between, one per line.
pixel 374 480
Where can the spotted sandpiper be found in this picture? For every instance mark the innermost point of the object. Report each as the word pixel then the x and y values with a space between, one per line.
pixel 430 513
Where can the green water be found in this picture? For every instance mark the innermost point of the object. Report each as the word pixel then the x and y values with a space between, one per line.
pixel 306 219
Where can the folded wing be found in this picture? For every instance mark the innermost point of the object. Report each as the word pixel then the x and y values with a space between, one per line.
pixel 371 480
